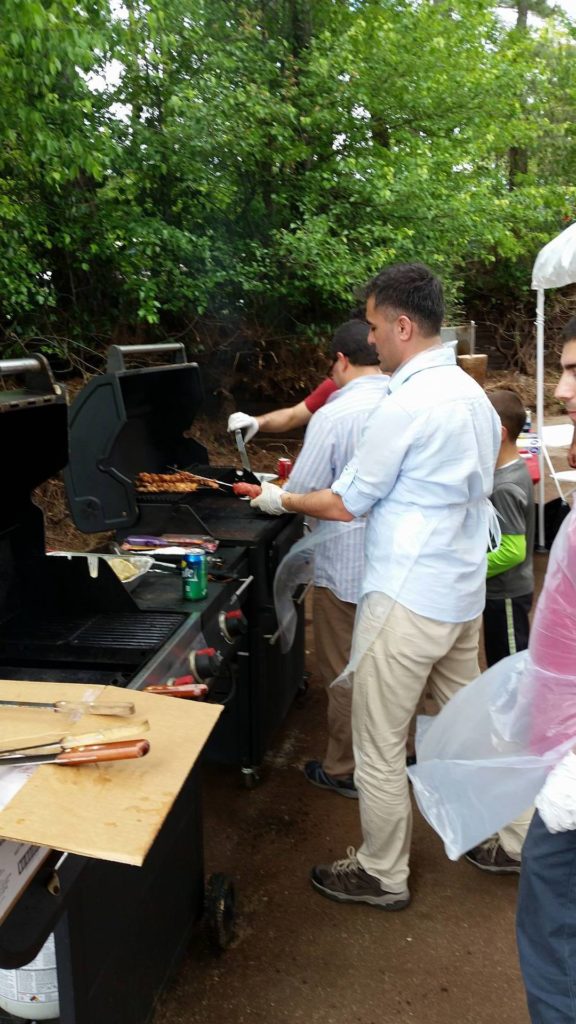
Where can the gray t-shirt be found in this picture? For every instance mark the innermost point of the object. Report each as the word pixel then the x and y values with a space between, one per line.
pixel 513 499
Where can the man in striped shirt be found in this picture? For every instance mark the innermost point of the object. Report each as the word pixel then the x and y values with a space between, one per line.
pixel 331 438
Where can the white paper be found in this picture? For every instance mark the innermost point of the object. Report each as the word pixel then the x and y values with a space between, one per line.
pixel 12 780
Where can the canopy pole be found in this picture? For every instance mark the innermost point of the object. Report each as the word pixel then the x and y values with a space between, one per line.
pixel 540 412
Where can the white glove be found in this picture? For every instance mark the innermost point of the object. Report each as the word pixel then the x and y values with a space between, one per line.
pixel 556 801
pixel 241 421
pixel 270 501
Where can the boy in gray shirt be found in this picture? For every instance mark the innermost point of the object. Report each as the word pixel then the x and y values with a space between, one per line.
pixel 510 577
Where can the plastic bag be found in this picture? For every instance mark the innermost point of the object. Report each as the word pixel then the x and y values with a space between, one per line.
pixel 484 758
pixel 297 568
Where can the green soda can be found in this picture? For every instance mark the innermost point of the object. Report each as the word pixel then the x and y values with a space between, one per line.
pixel 194 575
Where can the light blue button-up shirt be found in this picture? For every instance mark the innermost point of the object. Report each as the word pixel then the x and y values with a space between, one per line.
pixel 423 472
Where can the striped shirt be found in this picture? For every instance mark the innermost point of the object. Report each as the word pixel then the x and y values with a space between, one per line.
pixel 332 437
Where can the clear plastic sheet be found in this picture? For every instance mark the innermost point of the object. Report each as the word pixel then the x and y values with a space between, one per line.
pixel 297 568
pixel 482 761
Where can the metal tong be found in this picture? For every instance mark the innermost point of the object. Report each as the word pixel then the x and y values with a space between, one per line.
pixel 92 753
pixel 240 444
pixel 120 743
pixel 184 686
pixel 67 707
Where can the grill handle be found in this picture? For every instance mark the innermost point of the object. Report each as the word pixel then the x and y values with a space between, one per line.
pixel 273 638
pixel 38 375
pixel 19 366
pixel 116 362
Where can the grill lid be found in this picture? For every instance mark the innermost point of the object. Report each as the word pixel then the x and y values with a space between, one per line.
pixel 33 439
pixel 125 422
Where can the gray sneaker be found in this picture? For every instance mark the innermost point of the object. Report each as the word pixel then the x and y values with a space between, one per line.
pixel 491 856
pixel 315 774
pixel 347 882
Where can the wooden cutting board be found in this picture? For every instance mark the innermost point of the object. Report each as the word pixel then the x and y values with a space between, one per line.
pixel 114 810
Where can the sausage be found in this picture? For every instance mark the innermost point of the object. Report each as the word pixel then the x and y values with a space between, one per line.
pixel 247 490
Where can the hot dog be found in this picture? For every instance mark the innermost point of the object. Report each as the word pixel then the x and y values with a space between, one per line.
pixel 247 490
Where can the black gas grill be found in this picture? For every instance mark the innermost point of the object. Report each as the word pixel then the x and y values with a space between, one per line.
pixel 120 931
pixel 131 421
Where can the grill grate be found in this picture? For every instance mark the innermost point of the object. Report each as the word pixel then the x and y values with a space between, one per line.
pixel 149 631
pixel 142 631
pixel 50 629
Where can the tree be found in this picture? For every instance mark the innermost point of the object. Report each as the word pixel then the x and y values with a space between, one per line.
pixel 249 164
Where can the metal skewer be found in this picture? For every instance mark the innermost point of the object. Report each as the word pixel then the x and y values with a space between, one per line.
pixel 200 479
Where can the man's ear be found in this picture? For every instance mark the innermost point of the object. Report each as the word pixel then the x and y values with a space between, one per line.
pixel 405 327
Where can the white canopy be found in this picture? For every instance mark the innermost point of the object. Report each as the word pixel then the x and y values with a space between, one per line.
pixel 556 263
pixel 555 266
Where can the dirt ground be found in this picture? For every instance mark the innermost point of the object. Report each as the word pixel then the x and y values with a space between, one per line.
pixel 450 958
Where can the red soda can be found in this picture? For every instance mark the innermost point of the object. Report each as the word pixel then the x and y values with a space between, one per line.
pixel 284 468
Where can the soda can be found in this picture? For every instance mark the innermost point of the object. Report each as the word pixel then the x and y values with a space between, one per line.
pixel 284 468
pixel 194 575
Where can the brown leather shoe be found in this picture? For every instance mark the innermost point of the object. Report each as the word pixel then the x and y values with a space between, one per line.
pixel 347 882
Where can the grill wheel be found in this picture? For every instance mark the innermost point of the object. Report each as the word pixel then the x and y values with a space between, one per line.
pixel 220 911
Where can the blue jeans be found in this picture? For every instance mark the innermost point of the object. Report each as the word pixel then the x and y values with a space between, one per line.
pixel 546 924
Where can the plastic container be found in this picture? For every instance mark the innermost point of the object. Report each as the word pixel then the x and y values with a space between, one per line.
pixel 31 992
pixel 141 563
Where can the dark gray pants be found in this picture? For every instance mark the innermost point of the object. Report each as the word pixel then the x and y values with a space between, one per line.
pixel 546 924
pixel 506 626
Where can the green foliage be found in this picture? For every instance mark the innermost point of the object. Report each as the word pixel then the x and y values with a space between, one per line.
pixel 251 163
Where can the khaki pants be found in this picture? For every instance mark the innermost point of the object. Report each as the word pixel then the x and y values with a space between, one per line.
pixel 333 625
pixel 512 836
pixel 405 653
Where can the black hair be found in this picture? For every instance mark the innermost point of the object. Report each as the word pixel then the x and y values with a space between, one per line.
pixel 412 289
pixel 351 339
pixel 510 409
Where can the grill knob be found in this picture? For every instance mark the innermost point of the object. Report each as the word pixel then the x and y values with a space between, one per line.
pixel 206 663
pixel 232 624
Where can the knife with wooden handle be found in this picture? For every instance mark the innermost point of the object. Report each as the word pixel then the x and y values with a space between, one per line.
pixel 122 709
pixel 93 753
pixel 130 730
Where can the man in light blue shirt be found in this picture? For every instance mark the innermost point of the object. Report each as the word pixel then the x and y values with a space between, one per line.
pixel 423 473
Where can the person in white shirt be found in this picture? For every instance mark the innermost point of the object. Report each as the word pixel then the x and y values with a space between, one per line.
pixel 423 473
pixel 331 439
